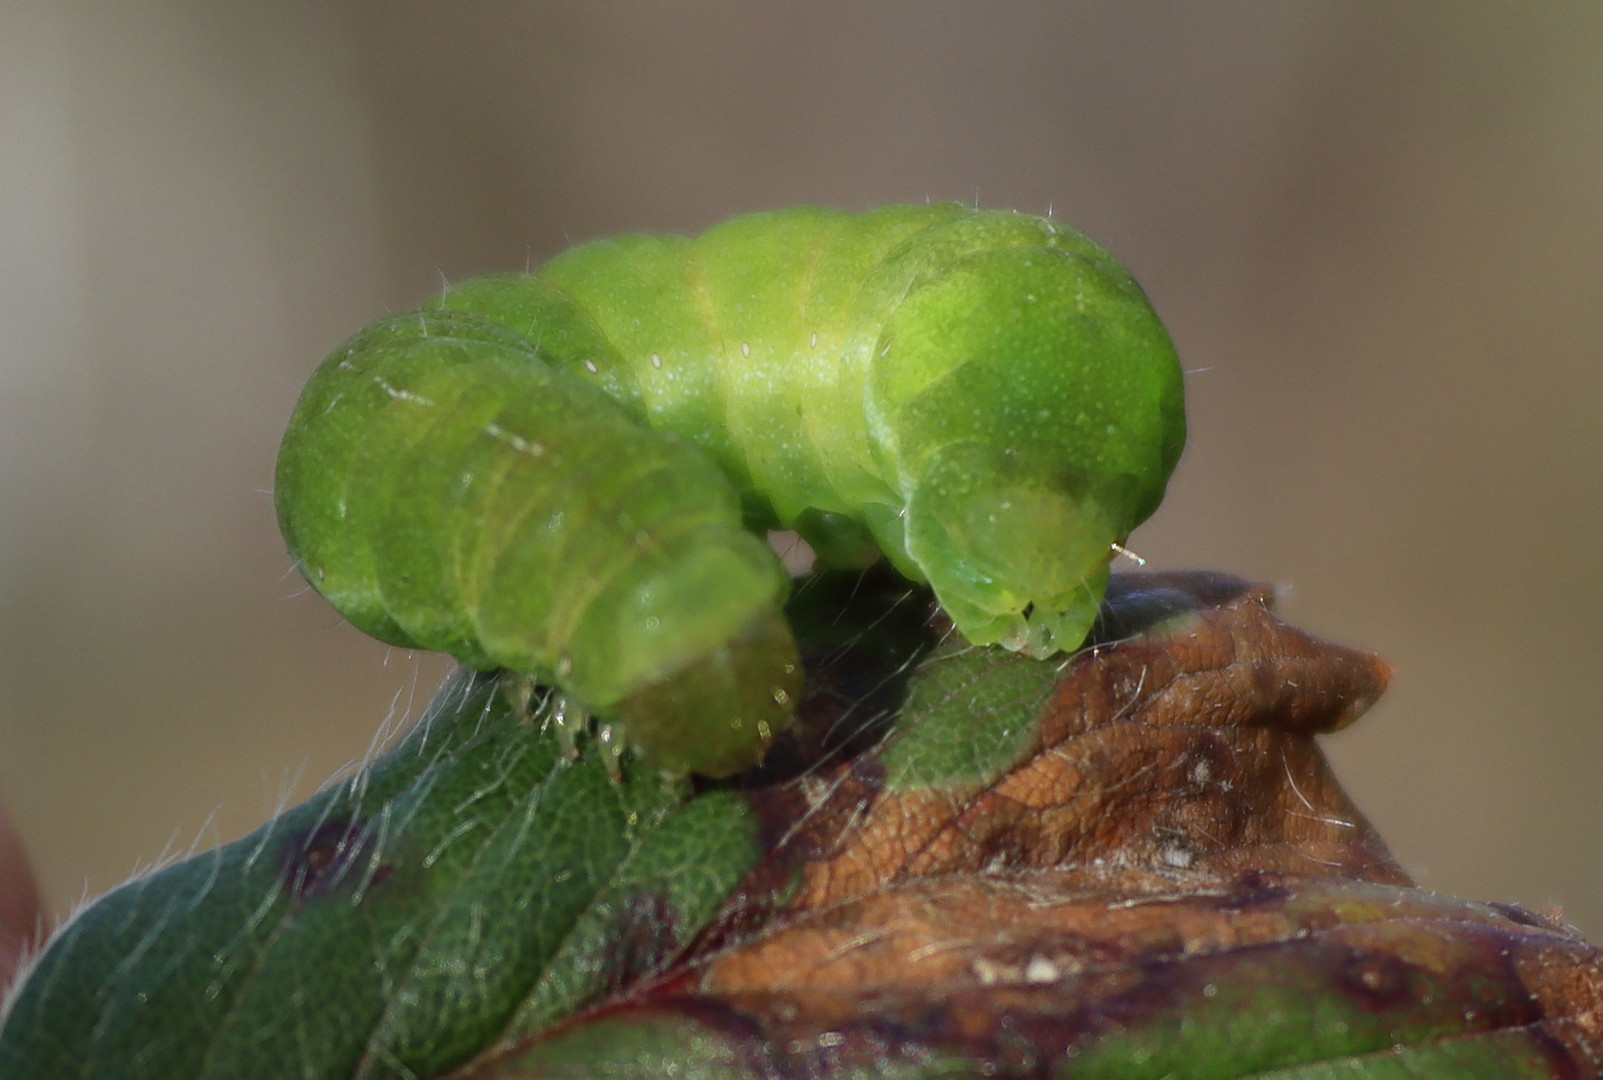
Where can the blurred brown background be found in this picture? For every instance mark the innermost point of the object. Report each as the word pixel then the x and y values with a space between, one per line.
pixel 1375 231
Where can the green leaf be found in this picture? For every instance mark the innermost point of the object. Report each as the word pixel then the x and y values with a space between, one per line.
pixel 394 924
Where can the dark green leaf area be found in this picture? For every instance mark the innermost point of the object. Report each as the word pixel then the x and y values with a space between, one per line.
pixel 887 675
pixel 860 634
pixel 970 716
pixel 649 1048
pixel 1355 991
pixel 393 924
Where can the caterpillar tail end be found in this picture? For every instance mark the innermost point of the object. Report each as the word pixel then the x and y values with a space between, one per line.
pixel 718 714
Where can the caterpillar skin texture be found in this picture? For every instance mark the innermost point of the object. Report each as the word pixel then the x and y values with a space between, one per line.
pixel 565 473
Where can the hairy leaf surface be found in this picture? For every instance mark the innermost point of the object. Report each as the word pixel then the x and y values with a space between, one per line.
pixel 958 863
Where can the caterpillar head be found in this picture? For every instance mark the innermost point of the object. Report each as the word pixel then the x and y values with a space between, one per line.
pixel 1028 405
pixel 1016 547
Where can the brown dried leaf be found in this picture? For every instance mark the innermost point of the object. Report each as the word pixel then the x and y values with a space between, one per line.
pixel 1157 875
pixel 1187 749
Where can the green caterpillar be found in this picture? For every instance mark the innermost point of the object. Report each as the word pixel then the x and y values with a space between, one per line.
pixel 566 473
